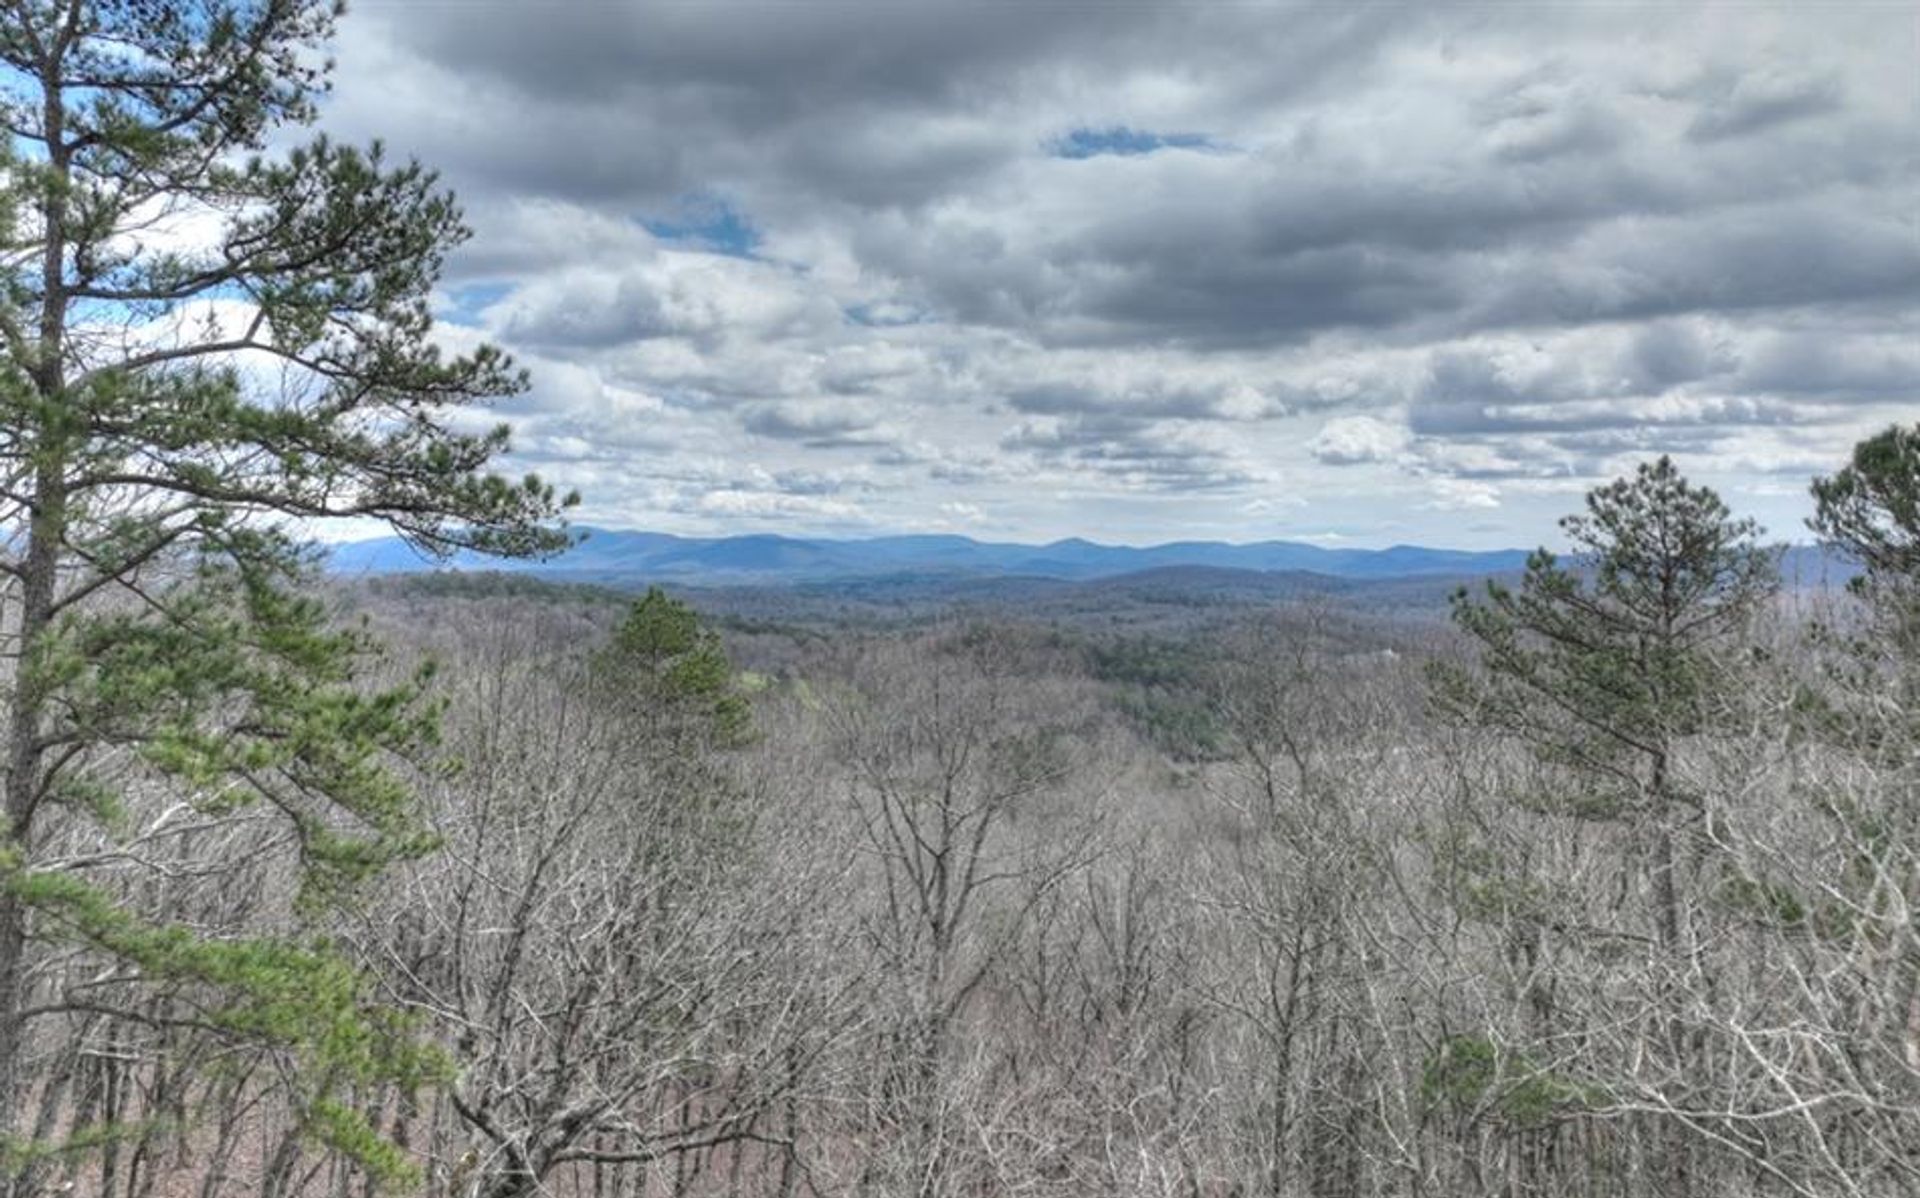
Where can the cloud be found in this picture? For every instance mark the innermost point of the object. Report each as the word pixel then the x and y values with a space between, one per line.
pixel 1069 268
pixel 820 421
pixel 1152 454
pixel 1148 397
pixel 694 295
pixel 764 505
pixel 1351 440
pixel 1753 101
pixel 1460 495
pixel 1545 117
pixel 962 515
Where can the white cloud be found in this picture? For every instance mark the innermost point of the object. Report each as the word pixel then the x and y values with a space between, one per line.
pixel 1350 440
pixel 1483 253
pixel 763 505
pixel 1460 495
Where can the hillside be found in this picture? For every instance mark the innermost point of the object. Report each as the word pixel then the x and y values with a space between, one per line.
pixel 608 555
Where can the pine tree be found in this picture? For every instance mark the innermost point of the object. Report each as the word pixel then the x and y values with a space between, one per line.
pixel 1605 665
pixel 204 347
pixel 1866 705
pixel 1871 510
pixel 672 676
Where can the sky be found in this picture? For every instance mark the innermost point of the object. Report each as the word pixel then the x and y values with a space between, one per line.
pixel 1353 274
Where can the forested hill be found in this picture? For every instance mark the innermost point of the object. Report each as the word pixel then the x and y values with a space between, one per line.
pixel 624 558
pixel 611 555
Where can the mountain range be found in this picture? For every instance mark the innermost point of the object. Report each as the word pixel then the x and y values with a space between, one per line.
pixel 617 556
pixel 628 558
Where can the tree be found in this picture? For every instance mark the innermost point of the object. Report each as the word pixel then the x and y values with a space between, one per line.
pixel 605 947
pixel 1305 741
pixel 1606 669
pixel 1862 881
pixel 960 765
pixel 1871 510
pixel 1605 666
pixel 672 675
pixel 202 347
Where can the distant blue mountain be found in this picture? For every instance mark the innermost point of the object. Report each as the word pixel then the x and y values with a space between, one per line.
pixel 615 556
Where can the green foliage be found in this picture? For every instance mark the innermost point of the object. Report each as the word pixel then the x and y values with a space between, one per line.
pixel 1772 903
pixel 1147 661
pixel 18 1154
pixel 439 585
pixel 1871 509
pixel 1160 688
pixel 1177 723
pixel 1868 703
pixel 297 996
pixel 173 407
pixel 1475 1076
pixel 1604 665
pixel 672 674
pixel 1482 880
pixel 245 693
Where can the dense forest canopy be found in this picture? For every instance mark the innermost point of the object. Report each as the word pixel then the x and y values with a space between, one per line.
pixel 488 888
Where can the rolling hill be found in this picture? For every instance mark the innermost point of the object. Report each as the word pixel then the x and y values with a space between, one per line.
pixel 624 557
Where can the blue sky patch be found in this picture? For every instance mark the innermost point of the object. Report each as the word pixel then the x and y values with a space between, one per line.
pixel 1123 141
pixel 469 301
pixel 708 224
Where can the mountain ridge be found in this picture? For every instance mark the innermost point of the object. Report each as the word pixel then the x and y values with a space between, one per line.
pixel 774 558
pixel 626 557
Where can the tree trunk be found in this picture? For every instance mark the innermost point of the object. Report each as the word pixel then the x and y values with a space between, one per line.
pixel 21 796
pixel 38 575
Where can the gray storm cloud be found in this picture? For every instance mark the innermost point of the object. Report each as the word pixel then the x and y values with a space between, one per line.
pixel 1043 259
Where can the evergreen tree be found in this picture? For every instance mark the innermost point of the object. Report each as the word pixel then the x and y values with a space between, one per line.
pixel 1867 704
pixel 203 347
pixel 1606 667
pixel 671 675
pixel 1605 664
pixel 1871 510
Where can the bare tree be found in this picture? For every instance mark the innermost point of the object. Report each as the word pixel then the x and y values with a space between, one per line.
pixel 957 768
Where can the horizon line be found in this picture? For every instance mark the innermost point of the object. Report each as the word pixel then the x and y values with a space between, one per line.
pixel 1302 541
